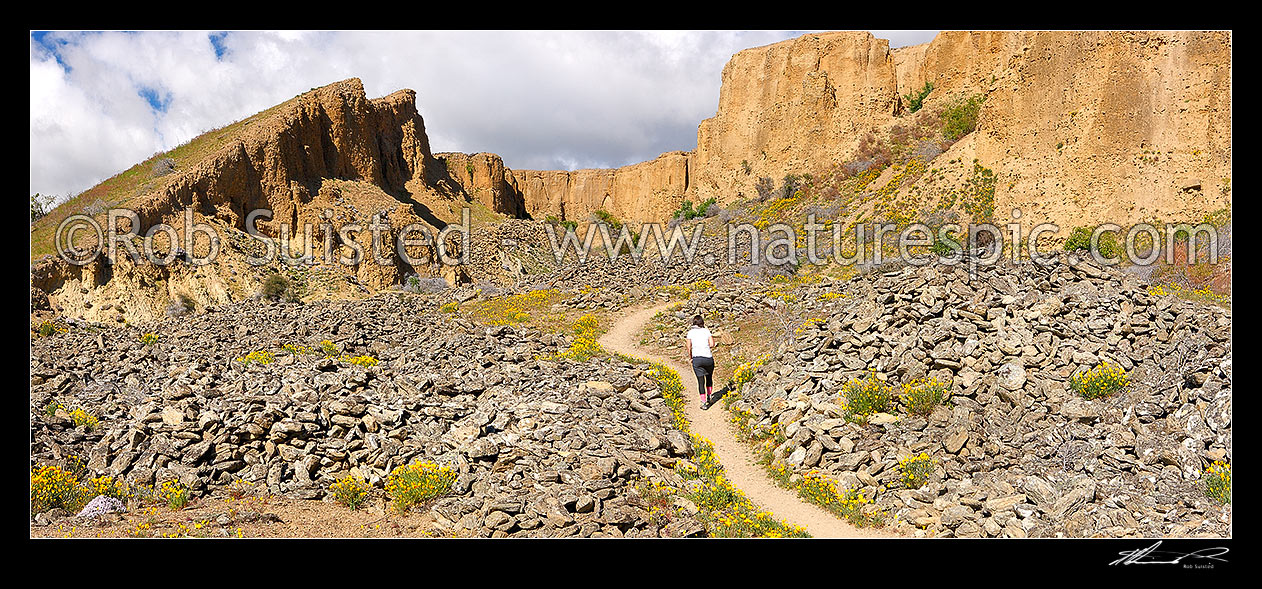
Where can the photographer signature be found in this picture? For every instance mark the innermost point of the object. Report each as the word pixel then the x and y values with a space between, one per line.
pixel 1151 555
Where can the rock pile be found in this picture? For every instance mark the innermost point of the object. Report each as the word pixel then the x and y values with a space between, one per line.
pixel 1017 453
pixel 540 448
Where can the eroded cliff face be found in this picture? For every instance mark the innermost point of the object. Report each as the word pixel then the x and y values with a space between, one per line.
pixel 957 61
pixel 790 107
pixel 1079 127
pixel 647 191
pixel 330 155
pixel 483 178
pixel 280 161
pixel 1089 127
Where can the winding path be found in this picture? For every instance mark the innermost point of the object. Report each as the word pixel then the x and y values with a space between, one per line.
pixel 737 458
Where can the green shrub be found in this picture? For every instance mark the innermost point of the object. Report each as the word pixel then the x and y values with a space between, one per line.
pixel 186 302
pixel 1108 246
pixel 552 220
pixel 790 186
pixel 275 286
pixel 945 244
pixel 687 212
pixel 959 118
pixel 915 100
pixel 765 187
pixel 615 228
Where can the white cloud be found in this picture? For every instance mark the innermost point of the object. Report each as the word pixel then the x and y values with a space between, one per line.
pixel 540 99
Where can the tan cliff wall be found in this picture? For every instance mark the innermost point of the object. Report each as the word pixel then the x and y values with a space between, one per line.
pixel 647 191
pixel 1087 127
pixel 1140 119
pixel 483 178
pixel 790 106
pixel 1080 127
pixel 958 61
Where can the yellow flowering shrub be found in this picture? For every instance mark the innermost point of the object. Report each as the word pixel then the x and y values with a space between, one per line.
pixel 513 309
pixel 110 487
pixel 263 357
pixel 239 488
pixel 174 494
pixel 1099 382
pixel 774 211
pixel 745 372
pixel 1218 482
pixel 676 291
pixel 79 416
pixel 350 491
pixel 49 328
pixel 328 348
pixel 582 350
pixel 658 497
pixel 149 339
pixel 449 307
pixel 914 470
pixel 417 483
pixel 297 349
pixel 83 418
pixel 364 361
pixel 586 325
pixel 860 399
pixel 920 396
pixel 52 486
pixel 585 346
pixel 1200 294
pixel 848 504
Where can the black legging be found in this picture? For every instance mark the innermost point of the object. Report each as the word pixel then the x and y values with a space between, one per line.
pixel 704 367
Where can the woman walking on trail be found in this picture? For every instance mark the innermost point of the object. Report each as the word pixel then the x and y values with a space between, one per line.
pixel 700 346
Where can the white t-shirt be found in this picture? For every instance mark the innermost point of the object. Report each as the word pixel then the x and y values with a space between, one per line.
pixel 700 338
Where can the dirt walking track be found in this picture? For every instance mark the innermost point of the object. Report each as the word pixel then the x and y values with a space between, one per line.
pixel 737 458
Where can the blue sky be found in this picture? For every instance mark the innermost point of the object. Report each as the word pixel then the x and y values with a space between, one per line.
pixel 102 101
